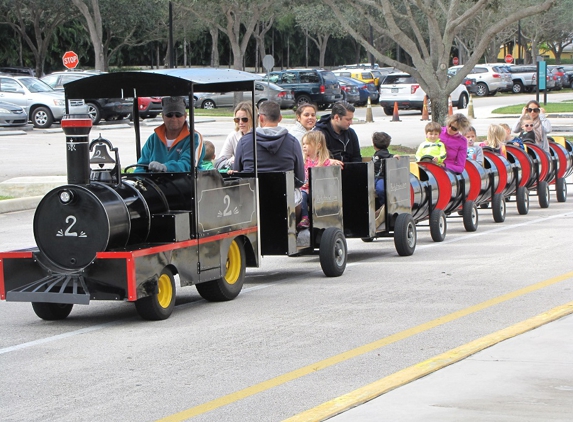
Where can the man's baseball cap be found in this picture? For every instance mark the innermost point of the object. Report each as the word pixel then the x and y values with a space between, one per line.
pixel 173 105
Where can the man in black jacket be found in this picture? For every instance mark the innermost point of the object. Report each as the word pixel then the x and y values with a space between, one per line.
pixel 341 140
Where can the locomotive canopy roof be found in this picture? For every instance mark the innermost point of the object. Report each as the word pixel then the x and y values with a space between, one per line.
pixel 163 82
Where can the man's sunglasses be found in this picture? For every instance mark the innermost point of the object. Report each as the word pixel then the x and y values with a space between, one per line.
pixel 171 115
pixel 530 110
pixel 241 119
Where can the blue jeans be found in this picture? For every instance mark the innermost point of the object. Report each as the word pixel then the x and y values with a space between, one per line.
pixel 380 191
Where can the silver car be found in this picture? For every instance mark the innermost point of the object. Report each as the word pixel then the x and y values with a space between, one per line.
pixel 12 115
pixel 263 91
pixel 43 105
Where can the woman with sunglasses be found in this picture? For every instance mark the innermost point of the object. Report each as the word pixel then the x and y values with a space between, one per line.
pixel 541 126
pixel 305 120
pixel 456 144
pixel 243 124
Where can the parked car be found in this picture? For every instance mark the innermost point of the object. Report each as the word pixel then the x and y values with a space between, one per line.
pixel 43 104
pixel 98 108
pixel 350 90
pixel 149 107
pixel 364 75
pixel 558 74
pixel 18 71
pixel 568 69
pixel 263 91
pixel 12 115
pixel 490 78
pixel 309 85
pixel 523 77
pixel 403 89
pixel 365 90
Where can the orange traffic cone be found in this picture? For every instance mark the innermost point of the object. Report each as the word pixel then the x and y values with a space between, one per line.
pixel 395 116
pixel 425 114
pixel 450 108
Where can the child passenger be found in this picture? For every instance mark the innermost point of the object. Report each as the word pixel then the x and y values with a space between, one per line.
pixel 456 143
pixel 509 138
pixel 474 150
pixel 209 158
pixel 315 154
pixel 527 132
pixel 432 147
pixel 496 139
pixel 381 142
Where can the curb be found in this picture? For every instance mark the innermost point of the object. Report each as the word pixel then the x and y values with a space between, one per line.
pixel 19 204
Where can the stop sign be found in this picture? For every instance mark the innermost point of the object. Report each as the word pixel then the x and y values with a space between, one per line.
pixel 70 59
pixel 455 61
pixel 508 58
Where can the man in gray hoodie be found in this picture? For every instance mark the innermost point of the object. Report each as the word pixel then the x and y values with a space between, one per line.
pixel 277 149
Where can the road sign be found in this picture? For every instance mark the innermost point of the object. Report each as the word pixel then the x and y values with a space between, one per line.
pixel 508 58
pixel 268 62
pixel 70 59
pixel 455 61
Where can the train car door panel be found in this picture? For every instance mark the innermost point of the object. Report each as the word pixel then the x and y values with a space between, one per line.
pixel 326 197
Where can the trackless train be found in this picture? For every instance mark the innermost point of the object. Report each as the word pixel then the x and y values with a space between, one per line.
pixel 109 234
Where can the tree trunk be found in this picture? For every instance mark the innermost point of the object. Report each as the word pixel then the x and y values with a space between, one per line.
pixel 215 48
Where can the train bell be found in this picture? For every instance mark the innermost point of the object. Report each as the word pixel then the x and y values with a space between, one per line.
pixel 101 155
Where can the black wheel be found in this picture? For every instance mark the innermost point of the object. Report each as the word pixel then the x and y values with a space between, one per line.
pixel 94 112
pixel 42 118
pixel 522 198
pixel 208 104
pixel 388 111
pixel 52 311
pixel 517 87
pixel 463 101
pixel 303 99
pixel 482 90
pixel 470 216
pixel 438 225
pixel 229 286
pixel 405 236
pixel 561 189
pixel 498 208
pixel 333 252
pixel 159 305
pixel 543 194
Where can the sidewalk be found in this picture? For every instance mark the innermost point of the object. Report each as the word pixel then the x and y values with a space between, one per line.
pixel 525 376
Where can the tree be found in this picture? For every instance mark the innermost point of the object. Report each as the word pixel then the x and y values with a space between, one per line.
pixel 235 18
pixel 35 21
pixel 426 30
pixel 113 24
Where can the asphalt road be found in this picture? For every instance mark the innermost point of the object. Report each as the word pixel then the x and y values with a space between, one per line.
pixel 293 339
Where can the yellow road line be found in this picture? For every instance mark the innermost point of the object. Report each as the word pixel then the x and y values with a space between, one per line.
pixel 309 369
pixel 371 391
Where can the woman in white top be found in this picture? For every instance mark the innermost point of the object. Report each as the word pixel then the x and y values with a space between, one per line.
pixel 305 120
pixel 541 126
pixel 243 125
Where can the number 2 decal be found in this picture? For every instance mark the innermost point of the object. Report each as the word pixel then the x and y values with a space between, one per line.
pixel 227 201
pixel 71 221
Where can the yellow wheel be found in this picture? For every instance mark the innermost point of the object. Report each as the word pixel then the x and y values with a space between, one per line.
pixel 159 305
pixel 230 284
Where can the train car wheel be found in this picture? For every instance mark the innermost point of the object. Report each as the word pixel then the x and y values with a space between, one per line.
pixel 438 225
pixel 470 216
pixel 498 208
pixel 159 306
pixel 229 286
pixel 522 197
pixel 52 311
pixel 405 236
pixel 561 189
pixel 543 194
pixel 333 252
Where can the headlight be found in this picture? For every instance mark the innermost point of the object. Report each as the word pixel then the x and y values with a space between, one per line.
pixel 3 110
pixel 60 103
pixel 66 196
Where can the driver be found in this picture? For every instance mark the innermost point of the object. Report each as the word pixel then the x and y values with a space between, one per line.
pixel 167 149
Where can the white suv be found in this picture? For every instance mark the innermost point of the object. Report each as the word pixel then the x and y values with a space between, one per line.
pixel 403 89
pixel 490 78
pixel 41 102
